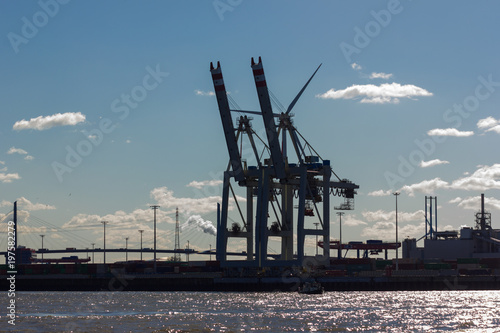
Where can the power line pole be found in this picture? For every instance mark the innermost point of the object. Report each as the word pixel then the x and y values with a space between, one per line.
pixel 42 245
pixel 104 247
pixel 340 235
pixel 154 207
pixel 126 248
pixel 316 224
pixel 397 249
pixel 141 231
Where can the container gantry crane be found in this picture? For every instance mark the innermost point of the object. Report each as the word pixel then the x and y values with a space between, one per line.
pixel 274 186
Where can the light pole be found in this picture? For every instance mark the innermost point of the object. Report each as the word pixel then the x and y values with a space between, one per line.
pixel 397 249
pixel 141 231
pixel 316 224
pixel 154 207
pixel 42 245
pixel 93 253
pixel 340 235
pixel 104 247
pixel 126 248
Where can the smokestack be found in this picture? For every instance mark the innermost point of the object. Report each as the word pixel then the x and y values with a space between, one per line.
pixel 483 220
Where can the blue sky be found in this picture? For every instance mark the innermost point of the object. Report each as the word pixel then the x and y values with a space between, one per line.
pixel 406 100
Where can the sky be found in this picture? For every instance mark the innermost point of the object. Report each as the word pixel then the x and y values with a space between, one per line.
pixel 108 108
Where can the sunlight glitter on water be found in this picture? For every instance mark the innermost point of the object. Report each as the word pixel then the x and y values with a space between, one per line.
pixel 432 311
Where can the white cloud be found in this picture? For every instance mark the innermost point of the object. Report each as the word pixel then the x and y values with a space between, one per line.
pixel 426 186
pixel 381 215
pixel 385 93
pixel 199 185
pixel 8 177
pixel 489 124
pixel 387 231
pixel 352 222
pixel 43 123
pixel 486 177
pixel 204 93
pixel 25 204
pixel 128 141
pixel 449 132
pixel 456 200
pixel 384 76
pixel 355 66
pixel 165 198
pixel 380 193
pixel 431 163
pixel 29 158
pixel 121 224
pixel 14 150
pixel 474 203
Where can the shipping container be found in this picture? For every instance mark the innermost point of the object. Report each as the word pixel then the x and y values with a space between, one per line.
pixel 468 261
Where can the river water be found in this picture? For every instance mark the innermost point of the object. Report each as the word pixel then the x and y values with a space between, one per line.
pixel 425 311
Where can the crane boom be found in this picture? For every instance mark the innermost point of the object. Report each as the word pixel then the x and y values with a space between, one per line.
pixel 268 116
pixel 227 122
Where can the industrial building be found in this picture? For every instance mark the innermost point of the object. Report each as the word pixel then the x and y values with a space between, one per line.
pixel 482 241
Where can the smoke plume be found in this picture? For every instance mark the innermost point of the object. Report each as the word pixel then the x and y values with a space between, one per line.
pixel 196 222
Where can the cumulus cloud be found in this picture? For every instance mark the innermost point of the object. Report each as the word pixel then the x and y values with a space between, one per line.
pixel 204 183
pixel 387 230
pixel 431 163
pixel 26 204
pixel 474 203
pixel 380 193
pixel 384 76
pixel 489 124
pixel 45 122
pixel 121 223
pixel 370 93
pixel 14 150
pixel 449 132
pixel 426 186
pixel 355 66
pixel 165 198
pixel 8 177
pixel 204 93
pixel 381 215
pixel 352 222
pixel 486 177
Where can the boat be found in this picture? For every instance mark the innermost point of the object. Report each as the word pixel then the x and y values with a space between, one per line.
pixel 311 288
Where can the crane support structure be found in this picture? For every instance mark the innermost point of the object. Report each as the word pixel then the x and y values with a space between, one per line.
pixel 281 198
pixel 227 122
pixel 268 116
